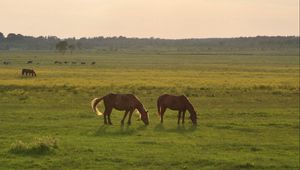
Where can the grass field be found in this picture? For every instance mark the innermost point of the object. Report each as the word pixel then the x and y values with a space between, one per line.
pixel 247 105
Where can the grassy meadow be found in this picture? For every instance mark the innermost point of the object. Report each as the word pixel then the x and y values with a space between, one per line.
pixel 247 105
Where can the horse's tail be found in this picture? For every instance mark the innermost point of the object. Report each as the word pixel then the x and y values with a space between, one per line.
pixel 94 104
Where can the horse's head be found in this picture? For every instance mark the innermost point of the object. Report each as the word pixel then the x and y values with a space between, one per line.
pixel 144 117
pixel 193 117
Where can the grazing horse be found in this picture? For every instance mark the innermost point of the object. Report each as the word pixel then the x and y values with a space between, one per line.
pixel 122 102
pixel 29 62
pixel 180 103
pixel 29 72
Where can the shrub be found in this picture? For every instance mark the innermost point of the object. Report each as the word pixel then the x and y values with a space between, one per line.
pixel 19 147
pixel 38 146
pixel 17 92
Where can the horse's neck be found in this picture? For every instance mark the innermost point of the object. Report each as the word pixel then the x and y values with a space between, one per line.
pixel 190 107
pixel 140 108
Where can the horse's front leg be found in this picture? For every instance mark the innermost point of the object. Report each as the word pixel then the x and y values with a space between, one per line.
pixel 125 114
pixel 183 116
pixel 129 118
pixel 109 121
pixel 179 116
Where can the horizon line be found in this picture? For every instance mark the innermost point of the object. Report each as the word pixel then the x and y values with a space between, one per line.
pixel 151 37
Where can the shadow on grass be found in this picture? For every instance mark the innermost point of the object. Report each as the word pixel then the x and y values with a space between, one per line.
pixel 178 129
pixel 106 130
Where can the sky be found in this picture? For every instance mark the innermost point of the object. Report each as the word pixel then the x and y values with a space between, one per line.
pixel 172 19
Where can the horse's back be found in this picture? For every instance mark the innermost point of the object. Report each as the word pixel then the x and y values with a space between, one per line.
pixel 120 97
pixel 171 97
pixel 121 101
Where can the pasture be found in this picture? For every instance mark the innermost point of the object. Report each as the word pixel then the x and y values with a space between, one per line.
pixel 247 106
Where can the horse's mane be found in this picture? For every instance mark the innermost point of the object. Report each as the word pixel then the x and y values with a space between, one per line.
pixel 191 107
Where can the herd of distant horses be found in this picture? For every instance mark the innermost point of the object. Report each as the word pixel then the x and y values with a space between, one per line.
pixel 55 62
pixel 32 73
pixel 129 103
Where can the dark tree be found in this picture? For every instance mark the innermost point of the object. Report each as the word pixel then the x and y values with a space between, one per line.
pixel 13 37
pixel 62 46
pixel 2 36
pixel 72 48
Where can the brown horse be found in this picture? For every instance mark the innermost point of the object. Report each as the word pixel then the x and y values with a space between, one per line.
pixel 122 102
pixel 29 72
pixel 180 103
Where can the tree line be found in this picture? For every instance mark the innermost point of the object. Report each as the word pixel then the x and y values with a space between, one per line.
pixel 21 42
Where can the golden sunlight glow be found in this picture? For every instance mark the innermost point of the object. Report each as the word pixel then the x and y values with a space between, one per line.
pixel 147 18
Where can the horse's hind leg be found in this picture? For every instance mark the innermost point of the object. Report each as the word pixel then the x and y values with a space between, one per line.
pixel 107 112
pixel 162 112
pixel 105 121
pixel 179 116
pixel 125 114
pixel 183 116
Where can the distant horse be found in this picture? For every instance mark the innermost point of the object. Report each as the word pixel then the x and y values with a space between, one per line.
pixel 29 62
pixel 122 102
pixel 93 63
pixel 6 62
pixel 66 62
pixel 57 62
pixel 180 103
pixel 29 72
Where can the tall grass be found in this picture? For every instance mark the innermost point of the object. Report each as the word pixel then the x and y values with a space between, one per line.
pixel 41 145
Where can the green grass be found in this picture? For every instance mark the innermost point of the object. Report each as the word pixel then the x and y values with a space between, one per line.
pixel 247 105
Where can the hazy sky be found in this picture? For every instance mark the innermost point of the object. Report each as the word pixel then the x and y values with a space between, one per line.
pixel 147 18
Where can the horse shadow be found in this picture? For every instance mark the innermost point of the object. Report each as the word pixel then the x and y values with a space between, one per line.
pixel 178 129
pixel 125 130
pixel 106 130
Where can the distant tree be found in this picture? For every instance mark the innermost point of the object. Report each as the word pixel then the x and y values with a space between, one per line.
pixel 62 46
pixel 13 36
pixel 2 36
pixel 71 48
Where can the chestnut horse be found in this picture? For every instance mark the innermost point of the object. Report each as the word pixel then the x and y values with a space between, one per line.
pixel 26 72
pixel 122 102
pixel 180 103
